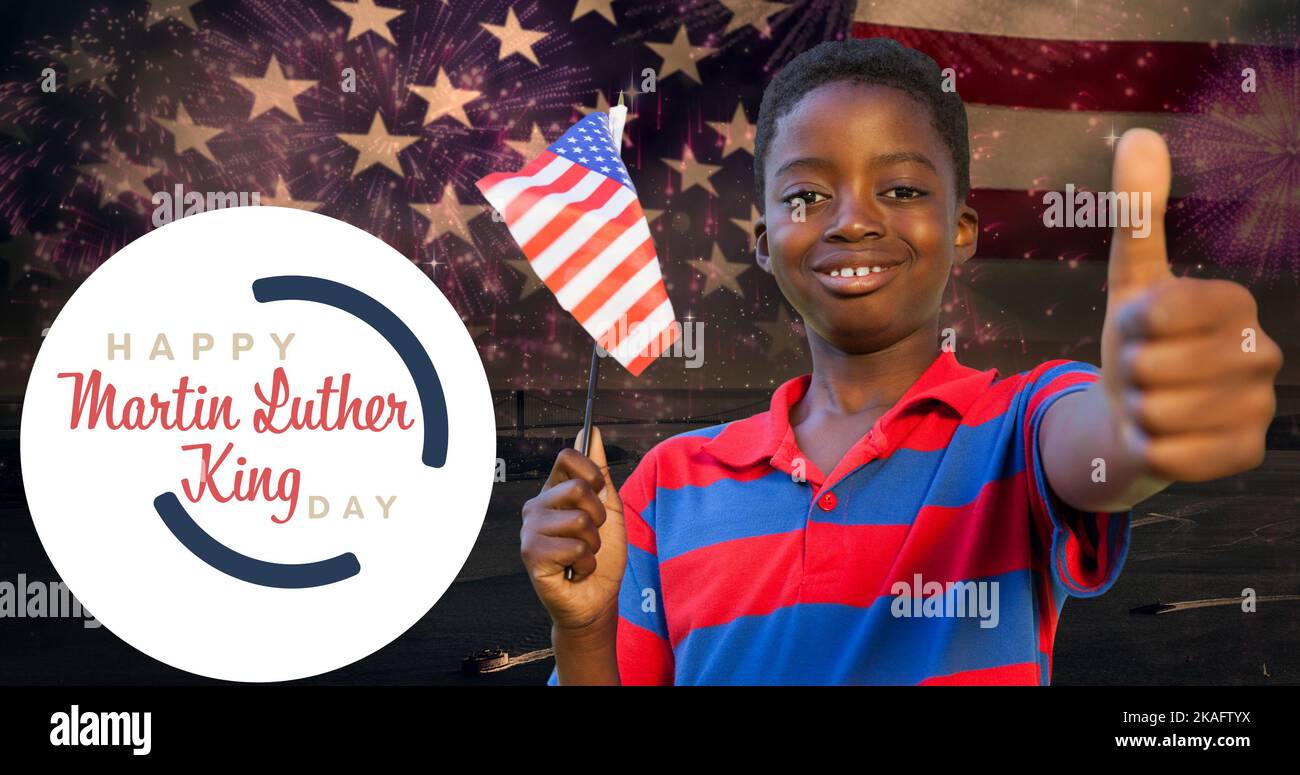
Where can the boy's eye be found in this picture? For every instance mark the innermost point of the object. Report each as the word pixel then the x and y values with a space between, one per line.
pixel 800 194
pixel 902 193
pixel 905 192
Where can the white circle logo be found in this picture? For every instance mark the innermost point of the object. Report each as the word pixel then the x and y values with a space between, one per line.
pixel 258 444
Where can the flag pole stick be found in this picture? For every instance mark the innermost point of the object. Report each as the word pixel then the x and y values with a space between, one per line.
pixel 593 375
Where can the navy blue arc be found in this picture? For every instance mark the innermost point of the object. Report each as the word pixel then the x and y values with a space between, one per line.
pixel 428 387
pixel 243 567
pixel 433 406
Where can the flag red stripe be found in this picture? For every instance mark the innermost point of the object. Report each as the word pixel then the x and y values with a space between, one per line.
pixel 486 183
pixel 648 303
pixel 640 362
pixel 636 314
pixel 1011 226
pixel 530 196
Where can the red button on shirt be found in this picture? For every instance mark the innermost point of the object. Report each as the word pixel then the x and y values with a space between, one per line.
pixel 827 501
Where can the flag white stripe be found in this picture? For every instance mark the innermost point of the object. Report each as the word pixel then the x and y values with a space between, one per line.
pixel 551 205
pixel 577 235
pixel 593 274
pixel 502 194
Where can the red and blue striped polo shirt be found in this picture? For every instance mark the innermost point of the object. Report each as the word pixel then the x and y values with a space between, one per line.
pixel 934 553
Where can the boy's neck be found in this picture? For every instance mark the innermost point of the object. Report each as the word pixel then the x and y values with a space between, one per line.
pixel 855 383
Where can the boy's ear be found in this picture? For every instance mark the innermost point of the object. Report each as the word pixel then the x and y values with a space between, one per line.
pixel 760 244
pixel 968 231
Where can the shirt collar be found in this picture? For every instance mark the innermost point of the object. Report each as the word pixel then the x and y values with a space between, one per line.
pixel 745 442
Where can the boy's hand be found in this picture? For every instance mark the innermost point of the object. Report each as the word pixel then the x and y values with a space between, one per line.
pixel 577 520
pixel 1186 368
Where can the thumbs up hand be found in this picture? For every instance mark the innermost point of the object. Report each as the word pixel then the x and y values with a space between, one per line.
pixel 1187 371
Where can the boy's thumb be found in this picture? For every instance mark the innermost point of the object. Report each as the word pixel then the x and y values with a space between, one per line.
pixel 596 453
pixel 1139 257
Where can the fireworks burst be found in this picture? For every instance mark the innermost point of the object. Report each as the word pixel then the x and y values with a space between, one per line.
pixel 144 104
pixel 1240 160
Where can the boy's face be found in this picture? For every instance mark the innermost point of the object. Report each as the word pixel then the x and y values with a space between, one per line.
pixel 879 191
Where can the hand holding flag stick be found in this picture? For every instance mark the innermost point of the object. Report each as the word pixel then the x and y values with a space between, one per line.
pixel 575 214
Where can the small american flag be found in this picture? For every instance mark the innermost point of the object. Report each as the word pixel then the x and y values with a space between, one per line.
pixel 575 214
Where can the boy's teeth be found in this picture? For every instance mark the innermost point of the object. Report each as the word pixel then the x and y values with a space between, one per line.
pixel 849 271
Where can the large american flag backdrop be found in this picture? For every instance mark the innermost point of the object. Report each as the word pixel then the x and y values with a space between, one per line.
pixel 384 113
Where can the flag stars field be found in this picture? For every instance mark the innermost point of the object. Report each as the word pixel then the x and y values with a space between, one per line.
pixel 720 273
pixel 378 146
pixel 680 56
pixel 273 91
pixel 786 333
pixel 694 173
pixel 747 225
pixel 162 10
pixel 83 67
pixel 530 148
pixel 189 135
pixel 738 134
pixel 366 17
pixel 603 7
pixel 117 175
pixel 514 38
pixel 444 99
pixel 752 13
pixel 531 282
pixel 448 216
pixel 283 198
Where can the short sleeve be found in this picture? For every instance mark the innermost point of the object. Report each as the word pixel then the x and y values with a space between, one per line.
pixel 1085 550
pixel 645 656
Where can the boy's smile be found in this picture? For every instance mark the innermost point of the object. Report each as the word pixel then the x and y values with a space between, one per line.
pixel 854 272
pixel 867 256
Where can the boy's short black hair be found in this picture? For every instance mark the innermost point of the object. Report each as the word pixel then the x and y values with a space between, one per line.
pixel 870 61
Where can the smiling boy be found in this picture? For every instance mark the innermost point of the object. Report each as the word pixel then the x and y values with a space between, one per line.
pixel 896 516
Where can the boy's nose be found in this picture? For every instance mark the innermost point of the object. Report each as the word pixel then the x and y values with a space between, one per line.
pixel 856 219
